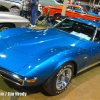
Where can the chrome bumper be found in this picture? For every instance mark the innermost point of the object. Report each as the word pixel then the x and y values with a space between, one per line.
pixel 17 79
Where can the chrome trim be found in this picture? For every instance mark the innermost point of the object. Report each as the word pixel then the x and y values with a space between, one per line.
pixel 88 67
pixel 63 78
pixel 19 78
pixel 11 80
pixel 95 34
pixel 13 77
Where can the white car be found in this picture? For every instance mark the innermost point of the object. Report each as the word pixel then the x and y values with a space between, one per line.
pixel 16 4
pixel 11 3
pixel 10 20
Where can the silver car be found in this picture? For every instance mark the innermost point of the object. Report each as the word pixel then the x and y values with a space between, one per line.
pixel 10 20
pixel 11 3
pixel 17 4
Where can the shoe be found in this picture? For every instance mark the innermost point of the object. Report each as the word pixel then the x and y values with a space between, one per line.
pixel 30 25
pixel 33 25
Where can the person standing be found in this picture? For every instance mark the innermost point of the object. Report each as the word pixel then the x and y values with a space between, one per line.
pixel 98 11
pixel 34 9
pixel 24 8
pixel 95 10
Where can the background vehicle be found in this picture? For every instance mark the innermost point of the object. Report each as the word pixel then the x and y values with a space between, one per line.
pixel 10 20
pixel 11 3
pixel 50 2
pixel 71 11
pixel 16 4
pixel 50 57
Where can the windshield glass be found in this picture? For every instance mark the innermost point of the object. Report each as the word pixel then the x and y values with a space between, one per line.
pixel 85 8
pixel 76 28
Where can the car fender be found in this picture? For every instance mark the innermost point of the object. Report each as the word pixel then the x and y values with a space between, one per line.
pixel 63 61
pixel 45 69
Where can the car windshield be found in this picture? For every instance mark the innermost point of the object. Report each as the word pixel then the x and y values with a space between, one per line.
pixel 85 8
pixel 76 28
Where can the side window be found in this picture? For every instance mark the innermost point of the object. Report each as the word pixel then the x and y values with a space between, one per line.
pixel 69 8
pixel 77 9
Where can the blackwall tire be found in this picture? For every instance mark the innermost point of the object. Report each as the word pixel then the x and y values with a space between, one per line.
pixel 56 16
pixel 38 13
pixel 5 26
pixel 59 81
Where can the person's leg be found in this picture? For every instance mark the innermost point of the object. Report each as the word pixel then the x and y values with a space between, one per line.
pixel 33 15
pixel 22 14
pixel 26 14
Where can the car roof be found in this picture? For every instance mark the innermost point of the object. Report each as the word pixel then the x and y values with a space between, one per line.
pixel 86 21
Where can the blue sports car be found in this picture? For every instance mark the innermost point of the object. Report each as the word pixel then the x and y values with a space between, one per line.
pixel 51 57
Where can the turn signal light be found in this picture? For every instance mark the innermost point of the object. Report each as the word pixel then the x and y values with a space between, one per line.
pixel 30 81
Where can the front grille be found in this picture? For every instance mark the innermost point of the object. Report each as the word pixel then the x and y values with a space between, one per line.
pixel 11 78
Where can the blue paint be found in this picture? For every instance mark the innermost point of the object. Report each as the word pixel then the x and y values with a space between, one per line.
pixel 38 53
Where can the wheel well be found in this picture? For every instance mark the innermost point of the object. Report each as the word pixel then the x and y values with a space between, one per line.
pixel 15 6
pixel 75 67
pixel 57 14
pixel 13 25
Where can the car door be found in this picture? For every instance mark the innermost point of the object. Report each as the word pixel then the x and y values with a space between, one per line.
pixel 95 50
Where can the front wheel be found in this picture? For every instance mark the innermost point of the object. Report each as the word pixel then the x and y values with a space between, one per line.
pixel 59 81
pixel 5 26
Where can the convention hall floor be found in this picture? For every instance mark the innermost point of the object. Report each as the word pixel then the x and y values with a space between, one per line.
pixel 85 86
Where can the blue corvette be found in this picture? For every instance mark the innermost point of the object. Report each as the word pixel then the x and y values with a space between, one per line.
pixel 50 57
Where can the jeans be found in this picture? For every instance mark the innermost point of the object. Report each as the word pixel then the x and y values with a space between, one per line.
pixel 33 15
pixel 24 13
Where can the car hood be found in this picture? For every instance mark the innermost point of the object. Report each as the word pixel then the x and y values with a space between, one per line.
pixel 34 42
pixel 90 13
pixel 7 16
pixel 24 45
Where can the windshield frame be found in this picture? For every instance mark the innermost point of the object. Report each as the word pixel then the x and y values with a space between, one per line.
pixel 94 32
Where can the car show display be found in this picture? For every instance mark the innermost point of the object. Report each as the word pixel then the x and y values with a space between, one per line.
pixel 49 56
pixel 52 55
pixel 15 6
pixel 71 11
pixel 11 20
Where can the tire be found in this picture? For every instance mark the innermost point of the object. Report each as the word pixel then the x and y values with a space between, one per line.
pixel 38 13
pixel 56 16
pixel 59 81
pixel 5 26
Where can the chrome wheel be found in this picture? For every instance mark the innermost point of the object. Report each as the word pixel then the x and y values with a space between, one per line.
pixel 64 78
pixel 60 79
pixel 3 28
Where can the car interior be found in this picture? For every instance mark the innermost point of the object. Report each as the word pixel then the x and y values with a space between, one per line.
pixel 77 28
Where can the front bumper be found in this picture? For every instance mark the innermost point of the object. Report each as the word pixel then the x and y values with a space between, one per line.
pixel 17 79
